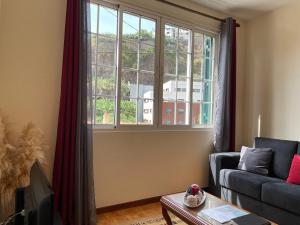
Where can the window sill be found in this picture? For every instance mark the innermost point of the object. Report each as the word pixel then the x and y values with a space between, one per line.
pixel 150 129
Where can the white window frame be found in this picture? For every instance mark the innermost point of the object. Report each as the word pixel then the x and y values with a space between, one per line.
pixel 161 21
pixel 125 9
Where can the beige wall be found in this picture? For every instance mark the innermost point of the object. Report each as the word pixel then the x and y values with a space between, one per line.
pixel 31 42
pixel 273 74
pixel 137 165
pixel 128 165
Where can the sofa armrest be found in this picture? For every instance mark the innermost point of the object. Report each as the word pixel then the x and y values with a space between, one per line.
pixel 217 162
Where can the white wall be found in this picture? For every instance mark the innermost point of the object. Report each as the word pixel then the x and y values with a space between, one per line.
pixel 273 74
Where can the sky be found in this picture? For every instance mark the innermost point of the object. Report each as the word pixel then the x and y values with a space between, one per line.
pixel 108 21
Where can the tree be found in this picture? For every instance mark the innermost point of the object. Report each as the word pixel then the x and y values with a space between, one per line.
pixel 107 106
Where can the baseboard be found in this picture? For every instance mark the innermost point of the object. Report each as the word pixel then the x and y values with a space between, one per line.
pixel 131 204
pixel 128 204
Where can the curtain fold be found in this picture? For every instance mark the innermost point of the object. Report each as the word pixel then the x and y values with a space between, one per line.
pixel 84 181
pixel 224 129
pixel 72 181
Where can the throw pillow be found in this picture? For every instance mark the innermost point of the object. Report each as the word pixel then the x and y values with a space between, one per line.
pixel 294 175
pixel 255 160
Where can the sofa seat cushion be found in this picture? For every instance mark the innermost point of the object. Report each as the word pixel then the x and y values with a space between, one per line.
pixel 244 182
pixel 282 195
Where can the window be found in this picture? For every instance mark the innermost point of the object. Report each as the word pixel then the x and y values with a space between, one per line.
pixel 203 81
pixel 138 82
pixel 104 63
pixel 177 76
pixel 138 62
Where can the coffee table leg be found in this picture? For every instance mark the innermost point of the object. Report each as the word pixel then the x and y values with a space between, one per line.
pixel 166 216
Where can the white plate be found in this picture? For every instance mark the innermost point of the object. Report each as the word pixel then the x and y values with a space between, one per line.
pixel 200 203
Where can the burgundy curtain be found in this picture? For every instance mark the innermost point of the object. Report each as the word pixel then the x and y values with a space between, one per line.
pixel 224 127
pixel 73 168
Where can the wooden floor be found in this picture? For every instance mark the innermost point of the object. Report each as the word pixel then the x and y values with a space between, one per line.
pixel 130 215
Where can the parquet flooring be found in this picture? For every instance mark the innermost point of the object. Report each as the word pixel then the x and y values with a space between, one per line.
pixel 126 216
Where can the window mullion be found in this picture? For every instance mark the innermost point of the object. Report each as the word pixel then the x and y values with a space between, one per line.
pixel 160 96
pixel 96 67
pixel 157 74
pixel 138 73
pixel 191 48
pixel 176 73
pixel 119 67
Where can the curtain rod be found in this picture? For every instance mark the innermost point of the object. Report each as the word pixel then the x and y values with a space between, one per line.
pixel 194 11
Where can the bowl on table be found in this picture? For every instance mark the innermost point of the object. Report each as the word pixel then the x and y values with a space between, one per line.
pixel 194 196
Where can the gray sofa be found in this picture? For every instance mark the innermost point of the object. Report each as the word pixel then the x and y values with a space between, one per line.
pixel 268 196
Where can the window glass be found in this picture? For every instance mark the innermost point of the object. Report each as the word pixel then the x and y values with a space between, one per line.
pixel 203 80
pixel 104 61
pixel 138 63
pixel 176 79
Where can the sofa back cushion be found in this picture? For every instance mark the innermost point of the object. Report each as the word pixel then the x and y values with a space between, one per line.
pixel 256 160
pixel 283 153
pixel 298 152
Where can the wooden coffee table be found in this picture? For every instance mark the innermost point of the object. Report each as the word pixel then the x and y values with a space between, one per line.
pixel 174 204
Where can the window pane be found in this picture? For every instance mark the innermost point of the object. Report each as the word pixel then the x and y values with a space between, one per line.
pixel 94 74
pixel 171 34
pixel 197 91
pixel 169 88
pixel 177 73
pixel 198 44
pixel 108 19
pixel 198 55
pixel 184 40
pixel 207 69
pixel 183 90
pixel 106 51
pixel 198 66
pixel 105 108
pixel 129 84
pixel 208 46
pixel 183 64
pixel 138 57
pixel 94 17
pixel 145 111
pixel 207 92
pixel 130 27
pixel 147 33
pixel 170 63
pixel 103 57
pixel 146 85
pixel 206 114
pixel 128 111
pixel 129 54
pixel 105 85
pixel 168 113
pixel 93 48
pixel 203 80
pixel 196 114
pixel 147 53
pixel 182 113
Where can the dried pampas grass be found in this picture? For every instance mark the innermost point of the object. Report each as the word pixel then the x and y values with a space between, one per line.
pixel 16 160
